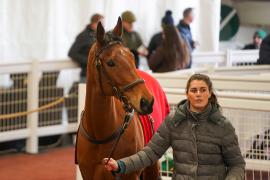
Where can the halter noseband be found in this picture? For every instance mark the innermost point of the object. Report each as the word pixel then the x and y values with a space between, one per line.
pixel 117 90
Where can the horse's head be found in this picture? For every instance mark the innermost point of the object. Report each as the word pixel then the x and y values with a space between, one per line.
pixel 116 71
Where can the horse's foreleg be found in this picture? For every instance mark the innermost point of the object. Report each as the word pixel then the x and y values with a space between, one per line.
pixel 86 175
pixel 152 172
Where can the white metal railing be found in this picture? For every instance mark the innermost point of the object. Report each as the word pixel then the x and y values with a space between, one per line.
pixel 250 78
pixel 228 58
pixel 32 130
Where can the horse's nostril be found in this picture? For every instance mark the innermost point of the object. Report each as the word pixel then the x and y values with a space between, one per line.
pixel 146 106
pixel 143 102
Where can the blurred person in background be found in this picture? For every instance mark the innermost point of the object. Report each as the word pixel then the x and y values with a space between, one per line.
pixel 156 40
pixel 173 52
pixel 83 43
pixel 258 36
pixel 264 52
pixel 132 38
pixel 184 29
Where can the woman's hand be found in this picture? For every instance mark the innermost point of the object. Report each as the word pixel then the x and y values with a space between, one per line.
pixel 112 165
pixel 142 50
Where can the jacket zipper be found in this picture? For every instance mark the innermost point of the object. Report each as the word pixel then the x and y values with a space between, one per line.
pixel 196 148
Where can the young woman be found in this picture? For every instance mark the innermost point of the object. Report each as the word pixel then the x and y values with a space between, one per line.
pixel 204 142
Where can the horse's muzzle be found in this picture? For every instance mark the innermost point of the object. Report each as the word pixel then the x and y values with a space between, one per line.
pixel 146 106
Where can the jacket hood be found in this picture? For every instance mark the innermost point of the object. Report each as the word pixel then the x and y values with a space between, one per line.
pixel 180 115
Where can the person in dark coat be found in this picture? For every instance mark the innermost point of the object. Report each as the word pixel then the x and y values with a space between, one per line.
pixel 184 29
pixel 264 52
pixel 258 36
pixel 82 45
pixel 204 142
pixel 156 40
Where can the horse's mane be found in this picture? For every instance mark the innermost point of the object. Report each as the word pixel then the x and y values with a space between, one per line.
pixel 110 37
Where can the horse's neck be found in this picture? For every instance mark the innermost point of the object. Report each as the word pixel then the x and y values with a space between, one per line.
pixel 101 113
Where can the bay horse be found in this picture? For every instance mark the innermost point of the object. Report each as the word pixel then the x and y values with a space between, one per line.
pixel 112 82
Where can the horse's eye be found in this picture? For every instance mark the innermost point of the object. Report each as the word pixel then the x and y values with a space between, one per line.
pixel 110 63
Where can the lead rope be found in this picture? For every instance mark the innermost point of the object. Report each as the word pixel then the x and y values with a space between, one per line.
pixel 128 118
pixel 152 123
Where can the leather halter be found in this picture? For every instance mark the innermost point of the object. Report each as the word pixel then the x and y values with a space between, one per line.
pixel 129 110
pixel 117 90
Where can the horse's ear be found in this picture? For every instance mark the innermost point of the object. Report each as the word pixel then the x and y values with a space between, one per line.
pixel 118 29
pixel 100 33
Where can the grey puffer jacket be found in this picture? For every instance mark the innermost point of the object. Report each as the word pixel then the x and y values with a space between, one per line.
pixel 205 146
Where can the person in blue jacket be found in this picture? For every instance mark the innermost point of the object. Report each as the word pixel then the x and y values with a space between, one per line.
pixel 184 29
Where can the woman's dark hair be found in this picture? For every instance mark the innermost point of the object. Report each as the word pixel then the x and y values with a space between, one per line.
pixel 206 79
pixel 174 48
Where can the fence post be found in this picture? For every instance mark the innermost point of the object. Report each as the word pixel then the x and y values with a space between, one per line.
pixel 32 103
pixel 229 62
pixel 81 99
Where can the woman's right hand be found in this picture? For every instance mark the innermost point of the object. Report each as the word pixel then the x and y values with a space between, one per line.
pixel 112 165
